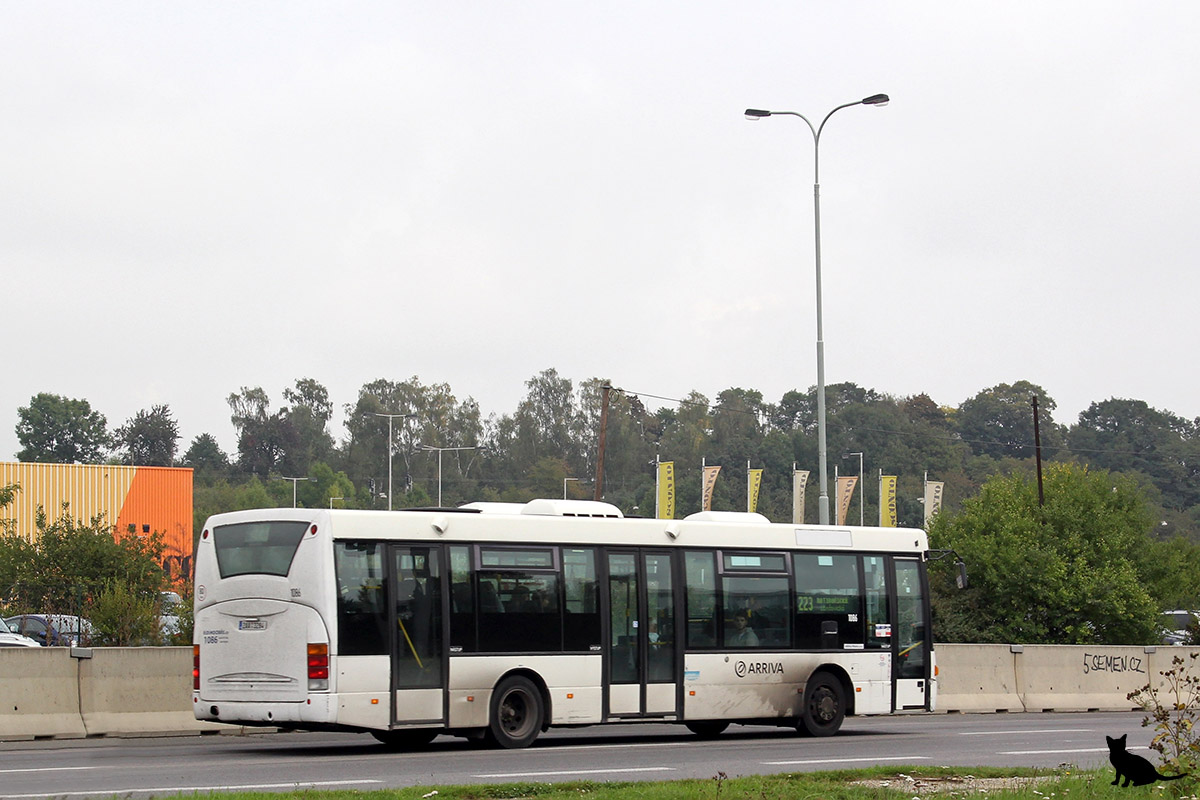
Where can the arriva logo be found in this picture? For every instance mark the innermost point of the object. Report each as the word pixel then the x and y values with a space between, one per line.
pixel 742 669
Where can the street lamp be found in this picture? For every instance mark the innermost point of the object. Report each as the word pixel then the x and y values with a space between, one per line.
pixel 439 451
pixel 755 113
pixel 390 417
pixel 862 490
pixel 331 501
pixel 294 482
pixel 565 486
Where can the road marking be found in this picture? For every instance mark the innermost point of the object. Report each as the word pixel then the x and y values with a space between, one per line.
pixel 1051 752
pixel 1003 733
pixel 573 772
pixel 42 769
pixel 229 788
pixel 844 760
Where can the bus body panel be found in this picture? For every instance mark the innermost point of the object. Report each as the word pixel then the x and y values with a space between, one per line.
pixel 573 683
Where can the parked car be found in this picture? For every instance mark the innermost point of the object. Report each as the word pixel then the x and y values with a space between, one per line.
pixel 1177 624
pixel 168 620
pixel 53 629
pixel 10 638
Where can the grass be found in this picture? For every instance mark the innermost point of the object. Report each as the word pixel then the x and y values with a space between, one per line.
pixel 878 783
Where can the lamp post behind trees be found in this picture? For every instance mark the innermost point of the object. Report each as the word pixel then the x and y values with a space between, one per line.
pixel 755 113
pixel 439 450
pixel 390 417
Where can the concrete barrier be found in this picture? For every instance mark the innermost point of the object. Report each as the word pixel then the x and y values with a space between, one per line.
pixel 979 678
pixel 1080 677
pixel 39 694
pixel 138 690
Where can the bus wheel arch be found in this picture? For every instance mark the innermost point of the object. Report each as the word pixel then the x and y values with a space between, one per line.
pixel 519 710
pixel 828 698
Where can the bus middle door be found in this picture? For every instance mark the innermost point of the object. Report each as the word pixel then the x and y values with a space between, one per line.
pixel 641 675
pixel 418 655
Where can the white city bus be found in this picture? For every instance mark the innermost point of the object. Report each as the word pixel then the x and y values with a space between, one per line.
pixel 497 622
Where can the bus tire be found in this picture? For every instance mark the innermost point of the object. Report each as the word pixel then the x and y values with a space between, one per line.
pixel 517 711
pixel 412 739
pixel 824 706
pixel 707 728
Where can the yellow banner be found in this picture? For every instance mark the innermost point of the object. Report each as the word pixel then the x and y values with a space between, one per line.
pixel 887 501
pixel 710 481
pixel 799 481
pixel 666 490
pixel 933 498
pixel 753 485
pixel 845 490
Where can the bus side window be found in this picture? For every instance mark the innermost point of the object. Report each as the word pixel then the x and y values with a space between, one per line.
pixel 701 599
pixel 879 627
pixel 462 601
pixel 828 602
pixel 362 611
pixel 581 614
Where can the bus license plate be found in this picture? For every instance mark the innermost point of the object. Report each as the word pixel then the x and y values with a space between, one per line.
pixel 252 625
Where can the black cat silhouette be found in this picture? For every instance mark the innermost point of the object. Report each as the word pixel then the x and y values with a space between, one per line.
pixel 1133 768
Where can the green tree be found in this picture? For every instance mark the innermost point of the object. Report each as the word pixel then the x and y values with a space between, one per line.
pixel 149 438
pixel 1130 436
pixel 998 422
pixel 206 457
pixel 1072 572
pixel 57 430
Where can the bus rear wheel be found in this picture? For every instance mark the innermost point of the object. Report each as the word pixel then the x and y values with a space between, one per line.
pixel 707 728
pixel 824 706
pixel 517 713
pixel 406 740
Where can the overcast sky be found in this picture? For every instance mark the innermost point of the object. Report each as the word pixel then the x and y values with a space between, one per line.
pixel 196 197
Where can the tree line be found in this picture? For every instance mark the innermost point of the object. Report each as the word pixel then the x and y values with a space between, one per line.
pixel 1122 505
pixel 552 435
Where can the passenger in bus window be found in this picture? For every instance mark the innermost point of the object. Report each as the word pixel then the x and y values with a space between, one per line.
pixel 742 635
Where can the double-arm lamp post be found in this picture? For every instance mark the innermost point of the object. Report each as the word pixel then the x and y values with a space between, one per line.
pixel 439 450
pixel 755 113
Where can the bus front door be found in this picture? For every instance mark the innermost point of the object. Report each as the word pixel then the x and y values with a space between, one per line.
pixel 418 666
pixel 911 645
pixel 641 671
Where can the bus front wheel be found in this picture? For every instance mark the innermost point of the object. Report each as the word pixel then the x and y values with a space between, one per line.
pixel 824 706
pixel 517 712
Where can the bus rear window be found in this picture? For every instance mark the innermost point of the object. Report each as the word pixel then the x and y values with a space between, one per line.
pixel 257 548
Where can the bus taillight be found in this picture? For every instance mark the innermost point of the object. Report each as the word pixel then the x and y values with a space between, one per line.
pixel 196 667
pixel 318 667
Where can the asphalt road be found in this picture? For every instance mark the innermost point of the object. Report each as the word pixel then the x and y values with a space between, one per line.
pixel 138 768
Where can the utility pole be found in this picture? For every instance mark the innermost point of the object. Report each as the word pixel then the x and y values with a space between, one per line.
pixel 1037 449
pixel 599 492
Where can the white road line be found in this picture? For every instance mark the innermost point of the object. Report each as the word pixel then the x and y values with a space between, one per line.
pixel 503 775
pixel 844 760
pixel 193 789
pixel 1003 733
pixel 43 769
pixel 1051 752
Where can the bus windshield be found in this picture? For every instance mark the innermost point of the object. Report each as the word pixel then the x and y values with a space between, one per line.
pixel 257 548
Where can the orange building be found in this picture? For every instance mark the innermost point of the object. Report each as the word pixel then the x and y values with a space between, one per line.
pixel 135 500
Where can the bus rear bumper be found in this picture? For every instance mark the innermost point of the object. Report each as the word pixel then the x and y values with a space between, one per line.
pixel 317 709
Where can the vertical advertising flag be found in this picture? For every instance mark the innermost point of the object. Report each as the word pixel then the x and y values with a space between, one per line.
pixel 845 490
pixel 753 485
pixel 887 501
pixel 799 482
pixel 933 498
pixel 666 490
pixel 710 481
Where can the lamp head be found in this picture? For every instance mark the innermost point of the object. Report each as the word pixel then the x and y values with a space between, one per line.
pixel 875 100
pixel 756 113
